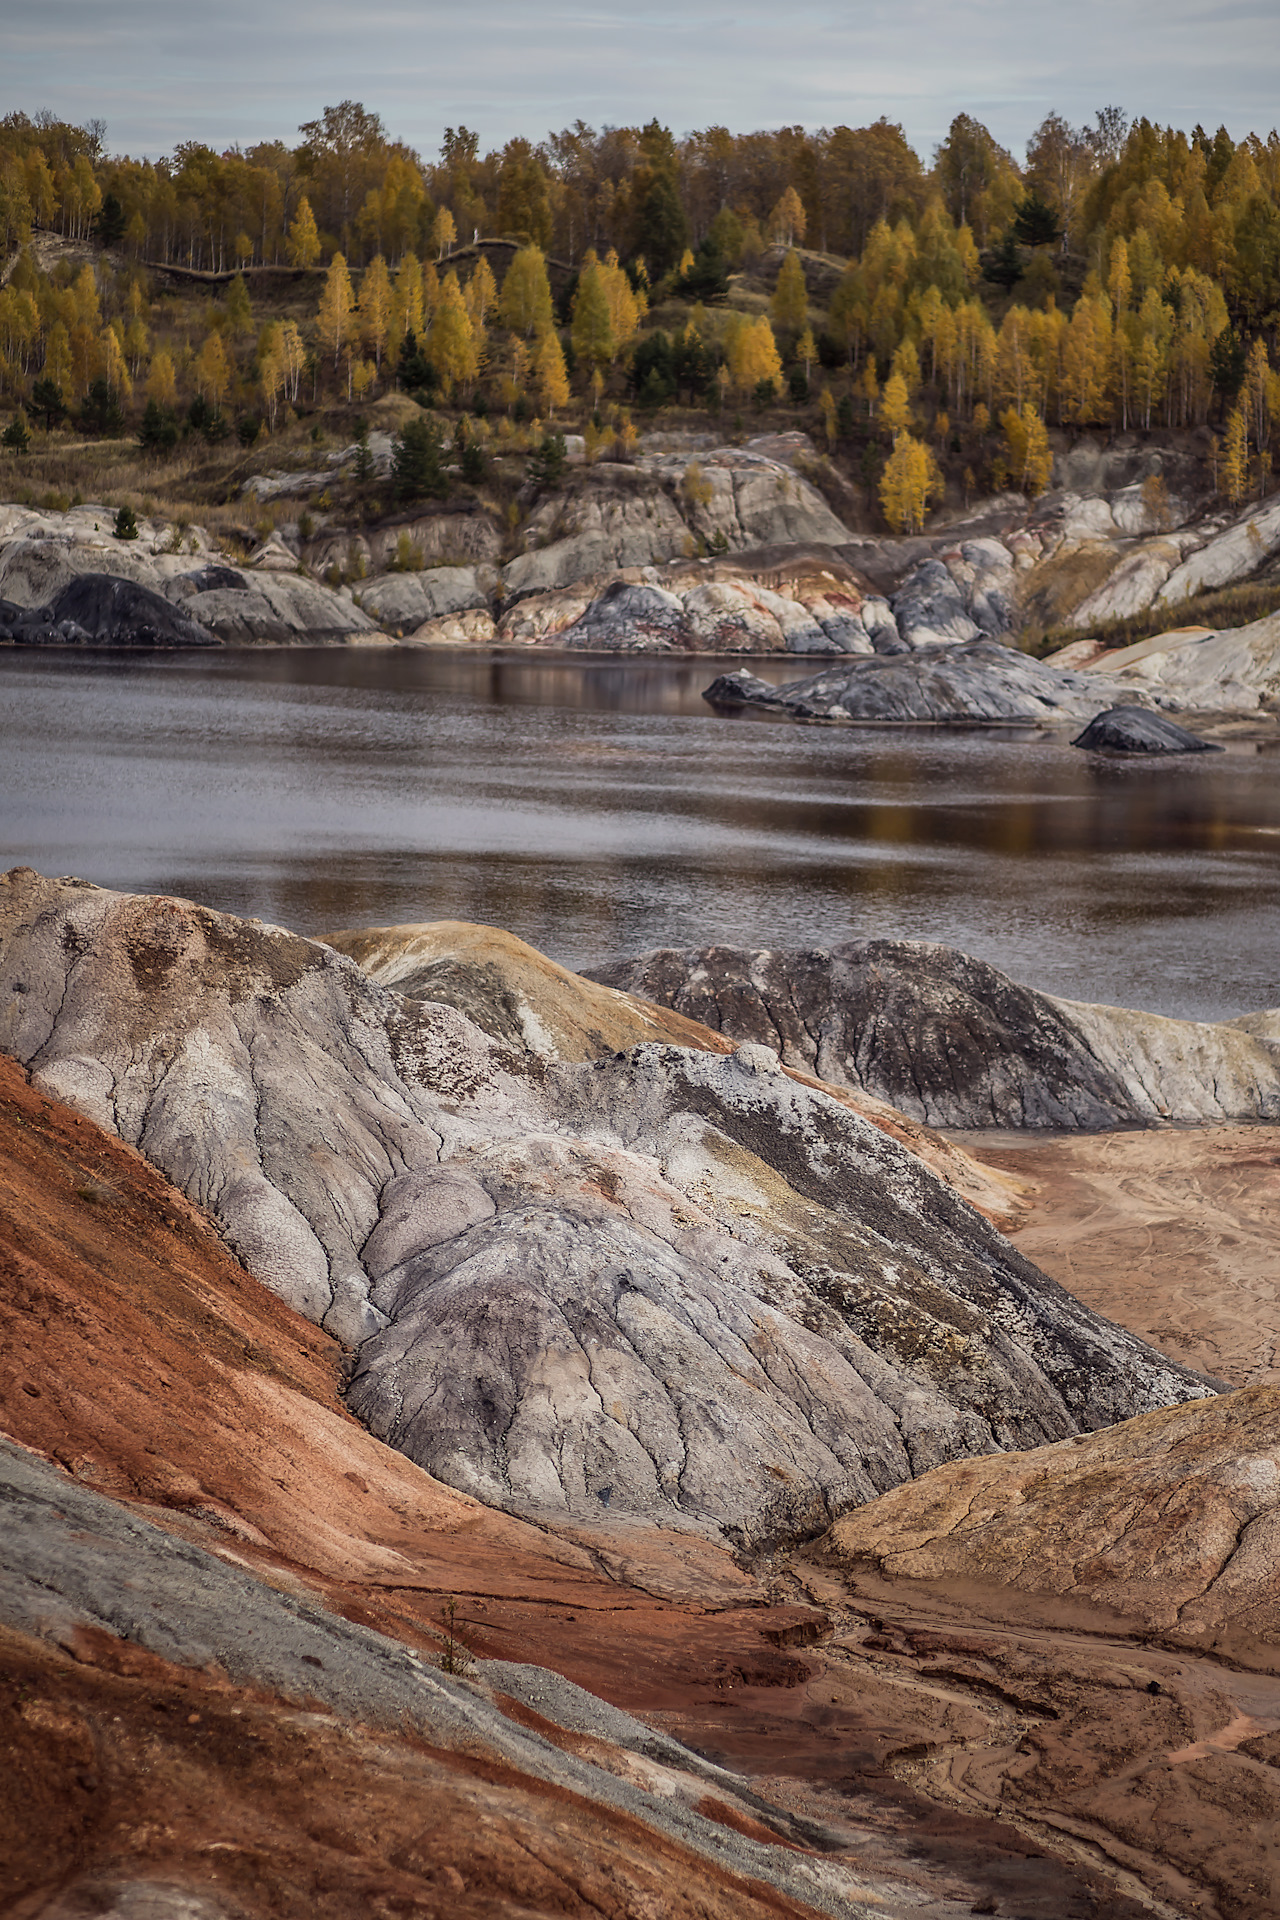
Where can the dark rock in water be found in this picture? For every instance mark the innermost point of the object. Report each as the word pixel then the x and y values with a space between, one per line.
pixel 981 681
pixel 102 610
pixel 954 1042
pixel 1134 730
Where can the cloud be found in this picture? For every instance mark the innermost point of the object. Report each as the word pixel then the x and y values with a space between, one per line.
pixel 160 72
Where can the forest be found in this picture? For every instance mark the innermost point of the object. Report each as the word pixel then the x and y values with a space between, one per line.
pixel 925 321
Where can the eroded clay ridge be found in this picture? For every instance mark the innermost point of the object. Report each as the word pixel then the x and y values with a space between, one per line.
pixel 956 1043
pixel 667 1284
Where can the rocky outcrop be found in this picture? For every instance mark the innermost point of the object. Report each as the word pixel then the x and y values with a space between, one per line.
pixel 678 1286
pixel 408 600
pixel 1235 553
pixel 612 517
pixel 1236 670
pixel 969 682
pixel 97 610
pixel 1172 1519
pixel 44 558
pixel 525 1000
pixel 955 1043
pixel 1134 730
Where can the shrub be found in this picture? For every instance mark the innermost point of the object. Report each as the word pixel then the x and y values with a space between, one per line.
pixel 126 527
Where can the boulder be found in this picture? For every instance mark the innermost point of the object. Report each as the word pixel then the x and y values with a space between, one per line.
pixel 661 1283
pixel 954 1042
pixel 961 595
pixel 981 681
pixel 99 610
pixel 1135 730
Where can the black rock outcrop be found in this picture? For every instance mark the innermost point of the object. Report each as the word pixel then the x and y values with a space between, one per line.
pixel 1134 730
pixel 979 682
pixel 954 1042
pixel 102 610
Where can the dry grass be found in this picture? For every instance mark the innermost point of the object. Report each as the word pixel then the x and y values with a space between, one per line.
pixel 1224 608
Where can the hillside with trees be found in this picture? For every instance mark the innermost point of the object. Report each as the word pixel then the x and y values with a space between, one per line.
pixel 931 326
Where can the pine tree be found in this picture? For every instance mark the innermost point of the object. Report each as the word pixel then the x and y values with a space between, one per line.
pixel 16 437
pixel 416 469
pixel 302 248
pixel 333 319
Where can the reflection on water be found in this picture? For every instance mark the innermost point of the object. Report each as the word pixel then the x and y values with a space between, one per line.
pixel 597 807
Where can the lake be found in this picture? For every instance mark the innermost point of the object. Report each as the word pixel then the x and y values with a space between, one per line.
pixel 598 807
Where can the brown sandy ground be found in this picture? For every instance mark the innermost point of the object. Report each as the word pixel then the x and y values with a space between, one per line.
pixel 1173 1233
pixel 135 1352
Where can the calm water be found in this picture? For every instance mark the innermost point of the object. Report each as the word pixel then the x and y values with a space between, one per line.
pixel 598 808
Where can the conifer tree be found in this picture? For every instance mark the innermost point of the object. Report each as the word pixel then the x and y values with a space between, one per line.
pixel 302 248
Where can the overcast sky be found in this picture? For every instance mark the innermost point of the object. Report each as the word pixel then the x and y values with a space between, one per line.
pixel 160 71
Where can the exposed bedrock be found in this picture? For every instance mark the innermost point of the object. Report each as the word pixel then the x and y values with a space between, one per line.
pixel 100 610
pixel 974 681
pixel 667 1283
pixel 956 1043
pixel 1134 730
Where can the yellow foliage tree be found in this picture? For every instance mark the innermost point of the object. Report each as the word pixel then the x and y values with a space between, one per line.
pixel 114 370
pixel 525 302
pixel 481 294
pixel 592 332
pixel 162 384
pixel 895 405
pixel 375 308
pixel 211 372
pixel 1030 462
pixel 789 303
pixel 788 220
pixel 826 400
pixel 1235 457
pixel 302 247
pixel 443 232
pixel 911 479
pixel 452 345
pixel 754 356
pixel 409 309
pixel 334 318
pixel 549 369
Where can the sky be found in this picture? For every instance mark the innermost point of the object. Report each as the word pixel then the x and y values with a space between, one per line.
pixel 161 71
